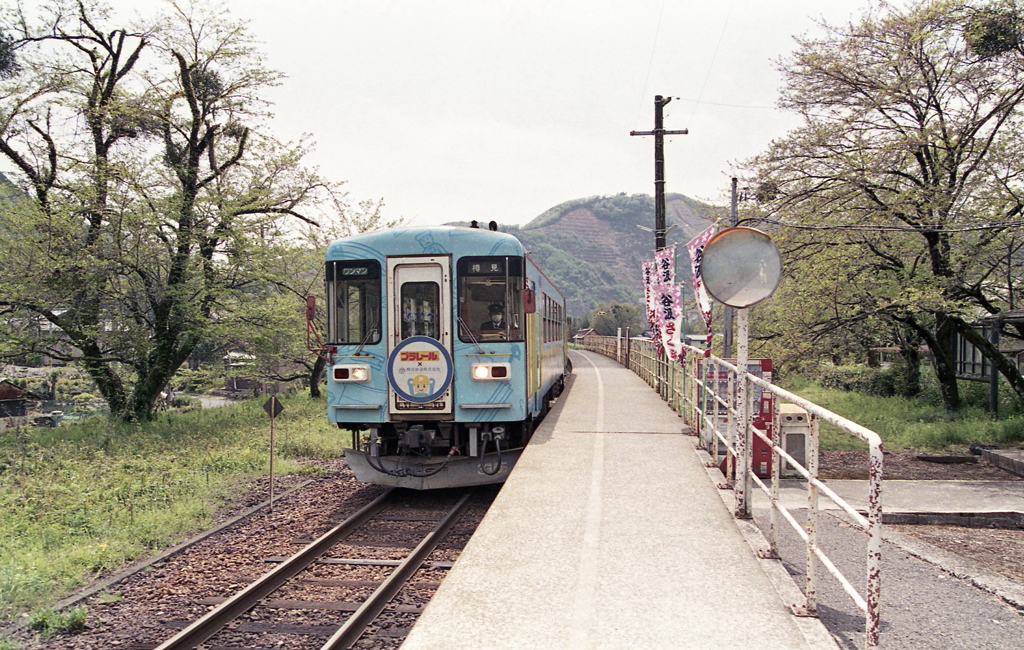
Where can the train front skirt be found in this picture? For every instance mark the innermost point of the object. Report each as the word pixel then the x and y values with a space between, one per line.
pixel 459 471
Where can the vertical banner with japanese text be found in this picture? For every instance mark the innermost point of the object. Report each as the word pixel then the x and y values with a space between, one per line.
pixel 669 299
pixel 665 265
pixel 668 304
pixel 696 248
pixel 647 270
pixel 650 279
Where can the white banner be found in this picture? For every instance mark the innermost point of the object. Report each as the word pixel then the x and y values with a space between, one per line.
pixel 696 248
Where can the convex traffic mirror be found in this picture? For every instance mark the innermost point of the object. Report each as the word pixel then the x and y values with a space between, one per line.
pixel 741 266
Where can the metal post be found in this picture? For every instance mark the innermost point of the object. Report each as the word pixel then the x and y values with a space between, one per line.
pixel 874 559
pixel 743 439
pixel 993 380
pixel 811 602
pixel 730 413
pixel 703 395
pixel 618 344
pixel 272 460
pixel 671 367
pixel 727 333
pixel 627 349
pixel 773 542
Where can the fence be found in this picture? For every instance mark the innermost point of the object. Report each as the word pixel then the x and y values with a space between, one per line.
pixel 700 401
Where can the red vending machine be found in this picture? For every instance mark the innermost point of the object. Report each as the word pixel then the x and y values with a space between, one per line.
pixel 760 412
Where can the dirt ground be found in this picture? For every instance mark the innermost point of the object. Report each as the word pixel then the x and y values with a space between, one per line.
pixel 999 550
pixel 906 466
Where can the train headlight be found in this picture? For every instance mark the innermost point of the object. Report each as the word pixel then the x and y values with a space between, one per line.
pixel 351 373
pixel 491 371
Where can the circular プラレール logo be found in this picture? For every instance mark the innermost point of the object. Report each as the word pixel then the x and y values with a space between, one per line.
pixel 420 369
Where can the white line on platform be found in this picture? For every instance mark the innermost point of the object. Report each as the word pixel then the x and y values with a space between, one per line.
pixel 586 587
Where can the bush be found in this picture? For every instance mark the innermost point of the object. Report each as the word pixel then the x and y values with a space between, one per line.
pixel 185 404
pixel 881 382
pixel 200 380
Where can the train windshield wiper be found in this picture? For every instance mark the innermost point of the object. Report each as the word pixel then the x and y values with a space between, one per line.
pixel 471 337
pixel 369 333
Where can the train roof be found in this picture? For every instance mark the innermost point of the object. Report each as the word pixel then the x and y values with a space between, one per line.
pixel 435 240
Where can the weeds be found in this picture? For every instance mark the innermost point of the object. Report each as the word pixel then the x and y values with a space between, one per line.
pixel 107 597
pixel 81 500
pixel 49 622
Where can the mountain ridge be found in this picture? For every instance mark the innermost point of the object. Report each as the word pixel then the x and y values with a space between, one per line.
pixel 592 247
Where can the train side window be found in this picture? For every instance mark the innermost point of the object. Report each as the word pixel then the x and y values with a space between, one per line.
pixel 490 291
pixel 421 309
pixel 353 294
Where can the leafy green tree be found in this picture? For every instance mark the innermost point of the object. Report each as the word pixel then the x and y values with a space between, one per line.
pixel 903 186
pixel 152 196
pixel 607 317
pixel 274 331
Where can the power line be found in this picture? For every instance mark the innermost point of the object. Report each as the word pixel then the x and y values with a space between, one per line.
pixel 650 64
pixel 714 56
pixel 891 228
pixel 696 101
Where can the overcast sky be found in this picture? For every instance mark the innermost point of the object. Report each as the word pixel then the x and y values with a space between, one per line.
pixel 486 109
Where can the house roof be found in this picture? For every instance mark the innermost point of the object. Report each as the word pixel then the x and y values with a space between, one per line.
pixel 9 391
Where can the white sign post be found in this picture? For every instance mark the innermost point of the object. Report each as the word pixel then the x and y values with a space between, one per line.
pixel 741 267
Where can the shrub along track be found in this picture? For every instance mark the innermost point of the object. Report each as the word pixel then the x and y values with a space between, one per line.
pixel 150 607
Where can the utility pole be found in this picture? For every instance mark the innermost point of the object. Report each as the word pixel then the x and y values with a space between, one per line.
pixel 659 134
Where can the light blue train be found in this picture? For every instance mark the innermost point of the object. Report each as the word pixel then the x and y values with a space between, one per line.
pixel 445 346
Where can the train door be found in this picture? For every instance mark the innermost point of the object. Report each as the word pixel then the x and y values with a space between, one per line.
pixel 419 368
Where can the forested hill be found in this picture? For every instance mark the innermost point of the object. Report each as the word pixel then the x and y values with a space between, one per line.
pixel 592 248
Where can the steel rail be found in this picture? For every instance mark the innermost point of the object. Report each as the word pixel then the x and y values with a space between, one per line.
pixel 218 617
pixel 356 624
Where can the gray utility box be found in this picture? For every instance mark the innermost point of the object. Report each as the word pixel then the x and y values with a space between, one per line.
pixel 796 427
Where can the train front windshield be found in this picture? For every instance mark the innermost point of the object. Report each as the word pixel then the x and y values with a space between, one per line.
pixel 353 291
pixel 490 299
pixel 421 309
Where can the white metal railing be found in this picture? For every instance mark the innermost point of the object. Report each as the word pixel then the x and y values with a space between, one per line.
pixel 698 399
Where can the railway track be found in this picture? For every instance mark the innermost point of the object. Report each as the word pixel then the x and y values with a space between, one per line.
pixel 316 602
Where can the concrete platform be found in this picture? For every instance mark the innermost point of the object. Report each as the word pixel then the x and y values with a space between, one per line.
pixel 610 534
pixel 1012 460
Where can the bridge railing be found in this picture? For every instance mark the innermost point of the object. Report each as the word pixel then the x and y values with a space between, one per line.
pixel 699 398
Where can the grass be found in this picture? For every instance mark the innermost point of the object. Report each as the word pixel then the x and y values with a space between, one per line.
pixel 48 622
pixel 911 424
pixel 81 500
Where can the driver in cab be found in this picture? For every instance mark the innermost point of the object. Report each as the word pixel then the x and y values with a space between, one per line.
pixel 495 325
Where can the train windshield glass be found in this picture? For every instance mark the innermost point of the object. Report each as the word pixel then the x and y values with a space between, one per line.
pixel 420 309
pixel 353 289
pixel 490 299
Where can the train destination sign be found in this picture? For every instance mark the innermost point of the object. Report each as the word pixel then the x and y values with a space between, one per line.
pixel 420 369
